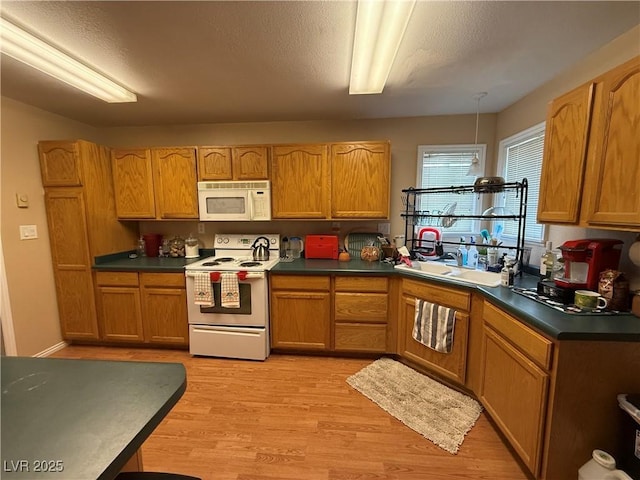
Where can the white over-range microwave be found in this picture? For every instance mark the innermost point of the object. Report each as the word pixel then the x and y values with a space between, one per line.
pixel 235 201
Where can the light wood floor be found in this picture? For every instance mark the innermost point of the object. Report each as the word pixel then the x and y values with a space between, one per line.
pixel 295 418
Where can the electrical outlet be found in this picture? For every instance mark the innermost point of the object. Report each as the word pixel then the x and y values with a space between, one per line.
pixel 28 232
pixel 384 228
pixel 201 227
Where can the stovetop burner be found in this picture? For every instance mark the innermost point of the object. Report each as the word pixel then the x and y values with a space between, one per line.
pixel 250 264
pixel 210 264
pixel 223 260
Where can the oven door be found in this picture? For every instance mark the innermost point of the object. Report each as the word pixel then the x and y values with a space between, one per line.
pixel 253 311
pixel 223 204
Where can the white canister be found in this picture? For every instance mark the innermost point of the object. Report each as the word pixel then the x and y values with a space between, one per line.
pixel 191 247
pixel 398 241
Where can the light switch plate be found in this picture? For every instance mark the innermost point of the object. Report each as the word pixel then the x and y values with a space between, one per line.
pixel 22 200
pixel 201 227
pixel 28 232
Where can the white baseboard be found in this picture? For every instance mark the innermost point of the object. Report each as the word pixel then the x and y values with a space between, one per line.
pixel 52 349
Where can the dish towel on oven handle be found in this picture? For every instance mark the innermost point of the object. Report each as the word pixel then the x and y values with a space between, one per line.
pixel 202 290
pixel 229 290
pixel 433 325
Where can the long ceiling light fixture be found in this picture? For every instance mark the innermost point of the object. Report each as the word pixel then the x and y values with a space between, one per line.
pixel 32 51
pixel 380 26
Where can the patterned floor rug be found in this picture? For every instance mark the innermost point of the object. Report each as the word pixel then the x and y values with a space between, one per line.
pixel 435 411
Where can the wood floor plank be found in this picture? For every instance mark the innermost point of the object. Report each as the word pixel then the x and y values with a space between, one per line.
pixel 296 418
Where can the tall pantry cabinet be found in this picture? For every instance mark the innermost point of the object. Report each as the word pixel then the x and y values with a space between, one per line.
pixel 79 199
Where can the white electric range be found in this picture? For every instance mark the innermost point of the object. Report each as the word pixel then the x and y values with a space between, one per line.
pixel 242 331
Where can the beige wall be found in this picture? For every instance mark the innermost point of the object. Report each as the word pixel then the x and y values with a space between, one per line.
pixel 531 110
pixel 28 262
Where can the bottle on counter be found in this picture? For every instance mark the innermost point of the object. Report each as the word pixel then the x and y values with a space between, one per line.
pixel 472 258
pixel 547 263
pixel 507 274
pixel 462 253
pixel 141 247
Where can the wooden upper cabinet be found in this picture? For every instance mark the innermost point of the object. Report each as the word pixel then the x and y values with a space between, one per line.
pixel 60 164
pixel 300 181
pixel 175 182
pixel 233 163
pixel 614 197
pixel 133 183
pixel 565 151
pixel 250 163
pixel 360 180
pixel 214 163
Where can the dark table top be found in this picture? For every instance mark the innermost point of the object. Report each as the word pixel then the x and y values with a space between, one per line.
pixel 81 419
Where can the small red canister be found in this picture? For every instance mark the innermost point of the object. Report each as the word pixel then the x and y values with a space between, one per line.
pixel 152 242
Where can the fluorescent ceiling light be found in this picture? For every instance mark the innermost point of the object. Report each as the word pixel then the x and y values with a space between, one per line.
pixel 380 26
pixel 32 51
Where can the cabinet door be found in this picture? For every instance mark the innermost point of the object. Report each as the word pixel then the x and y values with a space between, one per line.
pixel 299 182
pixel 565 148
pixel 214 163
pixel 66 215
pixel 60 164
pixel 301 320
pixel 615 193
pixel 360 180
pixel 175 182
pixel 451 365
pixel 120 314
pixel 165 315
pixel 133 183
pixel 251 163
pixel 513 389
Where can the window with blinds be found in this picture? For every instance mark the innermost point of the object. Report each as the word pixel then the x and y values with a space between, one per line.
pixel 520 156
pixel 447 166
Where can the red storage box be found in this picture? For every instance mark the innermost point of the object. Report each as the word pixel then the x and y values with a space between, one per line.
pixel 321 246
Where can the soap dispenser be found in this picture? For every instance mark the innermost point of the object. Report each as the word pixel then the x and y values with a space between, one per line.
pixel 462 253
pixel 472 261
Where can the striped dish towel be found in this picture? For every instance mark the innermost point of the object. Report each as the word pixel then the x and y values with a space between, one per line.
pixel 229 290
pixel 202 289
pixel 433 326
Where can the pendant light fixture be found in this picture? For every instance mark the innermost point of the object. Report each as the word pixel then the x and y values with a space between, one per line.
pixel 475 169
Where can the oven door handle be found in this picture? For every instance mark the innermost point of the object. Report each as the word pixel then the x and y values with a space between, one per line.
pixel 248 276
pixel 239 330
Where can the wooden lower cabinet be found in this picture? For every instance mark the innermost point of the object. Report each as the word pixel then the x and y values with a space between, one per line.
pixel 142 308
pixel 300 312
pixel 450 365
pixel 361 308
pixel 514 382
pixel 164 308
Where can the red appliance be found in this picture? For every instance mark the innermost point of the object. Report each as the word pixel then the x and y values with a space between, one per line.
pixel 427 237
pixel 321 246
pixel 585 259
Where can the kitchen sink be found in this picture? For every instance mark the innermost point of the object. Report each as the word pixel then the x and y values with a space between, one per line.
pixel 435 267
pixel 489 279
pixel 440 270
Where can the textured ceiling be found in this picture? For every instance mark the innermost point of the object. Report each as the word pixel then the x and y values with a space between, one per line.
pixel 240 61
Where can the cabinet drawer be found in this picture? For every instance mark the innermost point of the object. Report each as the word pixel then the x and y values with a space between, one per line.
pixel 361 337
pixel 361 307
pixel 362 284
pixel 436 294
pixel 119 279
pixel 538 348
pixel 162 280
pixel 300 282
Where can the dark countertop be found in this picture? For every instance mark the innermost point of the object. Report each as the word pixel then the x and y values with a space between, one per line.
pixel 86 417
pixel 122 263
pixel 555 324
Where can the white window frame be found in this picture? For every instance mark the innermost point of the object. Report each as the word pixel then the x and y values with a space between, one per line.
pixel 502 153
pixel 481 151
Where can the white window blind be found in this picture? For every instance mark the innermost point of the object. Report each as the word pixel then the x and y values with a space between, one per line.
pixel 446 166
pixel 521 157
